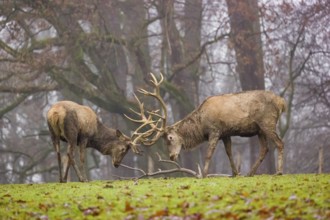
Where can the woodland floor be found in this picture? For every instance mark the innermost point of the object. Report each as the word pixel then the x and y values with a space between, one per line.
pixel 305 196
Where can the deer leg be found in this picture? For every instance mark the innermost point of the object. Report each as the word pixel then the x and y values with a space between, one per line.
pixel 213 140
pixel 262 153
pixel 82 160
pixel 280 146
pixel 74 164
pixel 67 166
pixel 227 143
pixel 71 132
pixel 56 143
pixel 65 163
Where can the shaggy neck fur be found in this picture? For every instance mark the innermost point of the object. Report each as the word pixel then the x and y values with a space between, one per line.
pixel 103 136
pixel 190 130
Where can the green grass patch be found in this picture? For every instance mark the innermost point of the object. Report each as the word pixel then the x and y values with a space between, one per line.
pixel 259 197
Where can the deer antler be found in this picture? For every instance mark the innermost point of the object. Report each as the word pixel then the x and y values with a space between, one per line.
pixel 150 136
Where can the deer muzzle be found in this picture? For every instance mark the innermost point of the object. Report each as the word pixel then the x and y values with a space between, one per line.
pixel 174 157
pixel 115 164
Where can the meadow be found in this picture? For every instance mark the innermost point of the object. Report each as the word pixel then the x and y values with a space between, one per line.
pixel 303 196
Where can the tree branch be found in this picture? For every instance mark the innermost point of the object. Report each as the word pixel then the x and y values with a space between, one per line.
pixel 178 168
pixel 18 100
pixel 161 172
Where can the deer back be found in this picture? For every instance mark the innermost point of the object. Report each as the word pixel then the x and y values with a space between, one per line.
pixel 241 109
pixel 63 112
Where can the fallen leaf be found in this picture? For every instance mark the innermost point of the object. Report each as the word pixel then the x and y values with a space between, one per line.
pixel 100 197
pixel 160 213
pixel 245 194
pixel 185 187
pixel 168 195
pixel 108 186
pixel 43 217
pixel 148 195
pixel 66 205
pixel 216 198
pixel 293 197
pixel 43 207
pixel 94 211
pixel 230 215
pixel 265 212
pixel 20 201
pixel 128 207
pixel 185 205
pixel 195 216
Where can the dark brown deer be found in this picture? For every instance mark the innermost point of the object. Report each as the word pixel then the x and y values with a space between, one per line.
pixel 219 117
pixel 79 126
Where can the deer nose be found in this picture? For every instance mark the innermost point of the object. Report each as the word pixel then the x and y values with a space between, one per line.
pixel 173 156
pixel 115 164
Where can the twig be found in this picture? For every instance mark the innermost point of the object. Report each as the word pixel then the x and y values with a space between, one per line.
pixel 160 172
pixel 178 168
pixel 133 168
pixel 218 174
pixel 168 161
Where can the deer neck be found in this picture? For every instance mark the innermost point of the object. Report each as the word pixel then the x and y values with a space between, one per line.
pixel 190 130
pixel 102 138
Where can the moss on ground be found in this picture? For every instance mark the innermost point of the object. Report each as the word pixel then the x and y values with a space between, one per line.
pixel 276 197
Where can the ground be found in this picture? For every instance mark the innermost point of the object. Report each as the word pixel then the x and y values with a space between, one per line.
pixel 260 197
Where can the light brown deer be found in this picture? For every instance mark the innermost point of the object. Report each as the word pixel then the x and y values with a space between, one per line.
pixel 79 126
pixel 219 117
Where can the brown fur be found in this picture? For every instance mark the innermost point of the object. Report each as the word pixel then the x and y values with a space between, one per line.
pixel 220 117
pixel 79 126
pixel 87 122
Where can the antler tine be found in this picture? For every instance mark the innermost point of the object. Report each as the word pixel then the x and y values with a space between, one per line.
pixel 145 92
pixel 143 135
pixel 146 122
pixel 156 114
pixel 154 131
pixel 154 80
pixel 141 114
pixel 135 148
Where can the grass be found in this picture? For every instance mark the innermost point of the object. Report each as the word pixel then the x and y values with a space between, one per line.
pixel 280 197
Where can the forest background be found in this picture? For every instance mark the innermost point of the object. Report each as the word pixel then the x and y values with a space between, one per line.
pixel 98 52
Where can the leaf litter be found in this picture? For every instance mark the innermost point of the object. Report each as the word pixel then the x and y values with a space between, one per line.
pixel 262 197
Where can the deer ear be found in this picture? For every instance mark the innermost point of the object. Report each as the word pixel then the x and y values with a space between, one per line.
pixel 118 133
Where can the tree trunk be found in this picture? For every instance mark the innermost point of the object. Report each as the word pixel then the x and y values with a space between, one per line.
pixel 178 50
pixel 189 77
pixel 246 38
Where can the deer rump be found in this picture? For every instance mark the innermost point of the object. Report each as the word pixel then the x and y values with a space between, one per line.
pixel 65 119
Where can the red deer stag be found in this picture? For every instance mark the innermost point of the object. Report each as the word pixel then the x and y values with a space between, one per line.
pixel 79 126
pixel 219 117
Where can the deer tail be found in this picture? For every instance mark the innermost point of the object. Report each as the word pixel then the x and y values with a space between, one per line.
pixel 281 105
